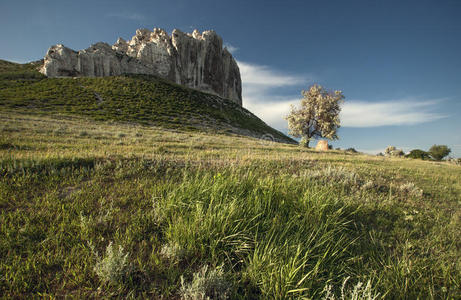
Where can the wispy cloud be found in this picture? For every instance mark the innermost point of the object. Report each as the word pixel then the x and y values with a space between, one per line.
pixel 260 92
pixel 406 111
pixel 272 113
pixel 126 15
pixel 261 83
pixel 232 49
pixel 267 77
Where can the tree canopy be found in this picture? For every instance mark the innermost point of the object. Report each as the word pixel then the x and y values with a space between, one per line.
pixel 438 152
pixel 317 116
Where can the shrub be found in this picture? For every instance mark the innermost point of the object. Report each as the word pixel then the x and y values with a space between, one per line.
pixel 393 151
pixel 411 189
pixel 114 266
pixel 206 284
pixel 418 154
pixel 358 292
pixel 352 150
pixel 438 152
pixel 173 252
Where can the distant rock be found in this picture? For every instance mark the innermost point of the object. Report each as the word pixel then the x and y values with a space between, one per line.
pixel 322 145
pixel 196 60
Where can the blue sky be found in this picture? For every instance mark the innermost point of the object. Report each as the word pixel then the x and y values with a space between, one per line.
pixel 397 62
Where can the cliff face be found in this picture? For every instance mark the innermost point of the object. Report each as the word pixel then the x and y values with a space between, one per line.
pixel 195 60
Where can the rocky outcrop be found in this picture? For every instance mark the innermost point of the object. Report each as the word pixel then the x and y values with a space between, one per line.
pixel 196 60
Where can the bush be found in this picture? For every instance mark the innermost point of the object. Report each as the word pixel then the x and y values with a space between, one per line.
pixel 438 152
pixel 393 151
pixel 351 150
pixel 114 266
pixel 206 284
pixel 411 189
pixel 357 292
pixel 418 154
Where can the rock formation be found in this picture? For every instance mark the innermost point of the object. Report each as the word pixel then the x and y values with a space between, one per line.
pixel 195 60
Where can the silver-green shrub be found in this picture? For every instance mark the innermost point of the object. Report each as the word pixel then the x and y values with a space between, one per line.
pixel 206 284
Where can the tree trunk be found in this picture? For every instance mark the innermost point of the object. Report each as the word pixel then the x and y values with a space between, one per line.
pixel 306 141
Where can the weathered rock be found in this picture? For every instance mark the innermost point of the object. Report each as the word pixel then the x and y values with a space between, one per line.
pixel 195 60
pixel 322 145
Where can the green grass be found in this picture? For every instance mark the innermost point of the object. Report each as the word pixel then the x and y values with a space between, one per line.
pixel 191 212
pixel 96 208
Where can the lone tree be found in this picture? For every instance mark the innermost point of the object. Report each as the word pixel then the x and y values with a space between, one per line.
pixel 439 151
pixel 318 115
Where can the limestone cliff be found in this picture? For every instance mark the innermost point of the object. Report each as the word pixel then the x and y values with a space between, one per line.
pixel 195 60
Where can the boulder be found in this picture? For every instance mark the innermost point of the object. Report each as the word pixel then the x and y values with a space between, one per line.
pixel 196 60
pixel 322 145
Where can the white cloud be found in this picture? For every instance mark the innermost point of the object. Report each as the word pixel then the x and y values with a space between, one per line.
pixel 272 113
pixel 264 76
pixel 260 84
pixel 126 15
pixel 230 48
pixel 397 112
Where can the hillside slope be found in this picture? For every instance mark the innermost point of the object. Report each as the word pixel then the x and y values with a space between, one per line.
pixel 142 99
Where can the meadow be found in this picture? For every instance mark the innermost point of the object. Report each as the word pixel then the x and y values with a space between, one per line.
pixel 104 208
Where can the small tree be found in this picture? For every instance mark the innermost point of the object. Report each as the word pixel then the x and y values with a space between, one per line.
pixel 418 154
pixel 438 152
pixel 318 115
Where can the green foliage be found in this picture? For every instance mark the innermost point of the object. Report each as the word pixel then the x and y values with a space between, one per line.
pixel 418 154
pixel 438 152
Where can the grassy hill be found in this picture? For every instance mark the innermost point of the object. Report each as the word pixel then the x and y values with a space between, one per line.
pixel 91 208
pixel 142 99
